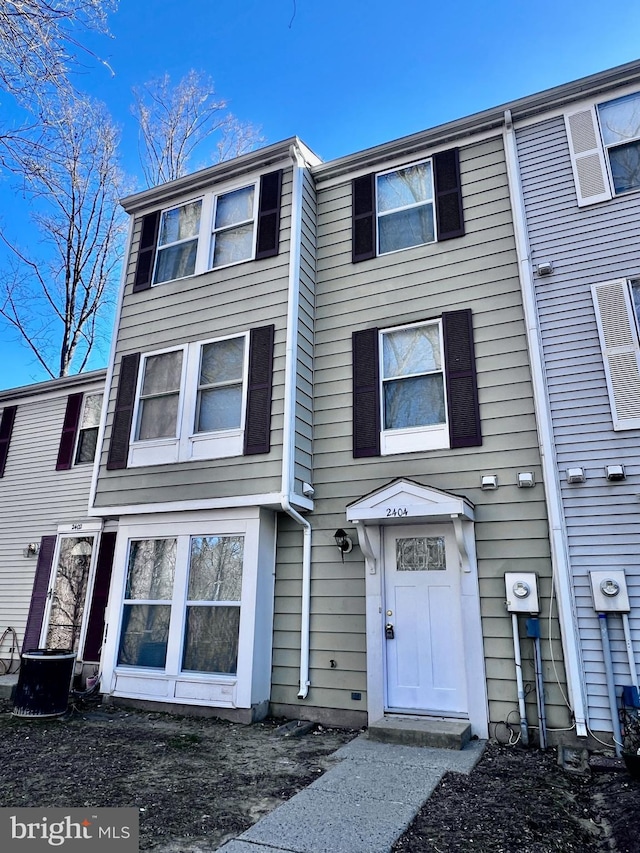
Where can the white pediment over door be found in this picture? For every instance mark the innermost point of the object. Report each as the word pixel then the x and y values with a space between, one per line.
pixel 405 500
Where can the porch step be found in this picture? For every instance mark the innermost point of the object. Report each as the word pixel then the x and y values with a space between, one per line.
pixel 419 731
pixel 8 685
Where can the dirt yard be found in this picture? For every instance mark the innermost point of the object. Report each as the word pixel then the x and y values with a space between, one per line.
pixel 198 782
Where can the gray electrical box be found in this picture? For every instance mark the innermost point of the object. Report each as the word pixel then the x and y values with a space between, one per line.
pixel 522 592
pixel 610 591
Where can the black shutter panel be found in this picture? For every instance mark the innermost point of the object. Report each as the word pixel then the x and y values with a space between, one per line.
pixel 363 238
pixel 95 625
pixel 462 387
pixel 257 430
pixel 449 214
pixel 69 432
pixel 6 428
pixel 146 251
pixel 269 215
pixel 366 394
pixel 123 415
pixel 39 594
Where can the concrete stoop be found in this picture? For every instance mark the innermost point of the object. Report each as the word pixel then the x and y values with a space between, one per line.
pixel 420 731
pixel 8 685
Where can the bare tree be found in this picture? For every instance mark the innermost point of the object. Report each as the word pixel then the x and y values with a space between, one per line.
pixel 40 41
pixel 67 168
pixel 176 121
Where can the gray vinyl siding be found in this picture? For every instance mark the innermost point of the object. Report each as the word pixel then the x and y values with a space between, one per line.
pixel 219 302
pixel 478 271
pixel 587 246
pixel 34 497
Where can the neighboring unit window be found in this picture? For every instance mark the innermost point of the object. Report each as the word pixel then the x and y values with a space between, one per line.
pixel 207 400
pixel 147 603
pixel 220 380
pixel 159 396
pixel 405 208
pixel 620 126
pixel 6 428
pixel 178 242
pixel 189 588
pixel 88 429
pixel 617 309
pixel 415 387
pixel 413 392
pixel 233 227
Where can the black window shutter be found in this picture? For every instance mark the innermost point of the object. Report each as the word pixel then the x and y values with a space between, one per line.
pixel 257 431
pixel 462 386
pixel 6 428
pixel 363 237
pixel 95 624
pixel 69 432
pixel 39 593
pixel 366 394
pixel 269 215
pixel 449 214
pixel 146 251
pixel 123 415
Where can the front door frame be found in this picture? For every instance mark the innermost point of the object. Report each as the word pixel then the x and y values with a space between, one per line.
pixel 404 501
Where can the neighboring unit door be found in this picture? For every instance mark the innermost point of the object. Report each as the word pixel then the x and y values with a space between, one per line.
pixel 64 619
pixel 422 621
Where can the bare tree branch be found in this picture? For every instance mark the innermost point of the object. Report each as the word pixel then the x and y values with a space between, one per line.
pixel 68 168
pixel 176 122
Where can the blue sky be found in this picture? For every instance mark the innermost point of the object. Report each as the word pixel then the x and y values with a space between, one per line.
pixel 342 75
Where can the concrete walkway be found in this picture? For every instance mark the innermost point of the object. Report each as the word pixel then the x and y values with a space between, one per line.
pixel 362 805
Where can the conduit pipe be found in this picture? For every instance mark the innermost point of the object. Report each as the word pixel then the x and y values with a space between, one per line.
pixel 289 424
pixel 611 688
pixel 632 661
pixel 524 729
pixel 559 555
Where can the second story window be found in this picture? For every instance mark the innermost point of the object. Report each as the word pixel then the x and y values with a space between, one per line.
pixel 220 385
pixel 88 429
pixel 233 227
pixel 620 126
pixel 159 396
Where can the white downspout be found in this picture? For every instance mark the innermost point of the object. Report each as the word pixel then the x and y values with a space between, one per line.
pixel 559 555
pixel 289 426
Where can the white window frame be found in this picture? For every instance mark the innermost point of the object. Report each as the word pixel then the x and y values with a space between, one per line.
pixel 205 237
pixel 418 438
pixel 188 444
pixel 606 146
pixel 413 206
pixel 82 430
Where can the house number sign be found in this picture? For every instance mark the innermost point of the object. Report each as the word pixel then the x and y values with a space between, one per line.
pixel 397 511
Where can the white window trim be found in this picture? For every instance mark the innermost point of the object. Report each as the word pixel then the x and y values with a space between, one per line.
pixel 172 684
pixel 205 237
pixel 188 444
pixel 412 439
pixel 406 207
pixel 80 430
pixel 620 345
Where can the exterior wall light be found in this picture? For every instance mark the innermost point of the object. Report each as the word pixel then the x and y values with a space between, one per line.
pixel 344 543
pixel 31 550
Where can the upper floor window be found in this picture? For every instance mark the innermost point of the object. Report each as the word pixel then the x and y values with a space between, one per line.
pixel 604 145
pixel 415 388
pixel 405 207
pixel 217 230
pixel 203 400
pixel 411 206
pixel 88 429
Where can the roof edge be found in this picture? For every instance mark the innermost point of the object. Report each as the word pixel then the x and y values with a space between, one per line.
pixel 59 384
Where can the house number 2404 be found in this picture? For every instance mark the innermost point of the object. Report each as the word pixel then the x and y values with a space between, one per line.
pixel 397 511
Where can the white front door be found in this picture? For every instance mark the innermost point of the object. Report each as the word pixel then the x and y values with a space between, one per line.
pixel 422 621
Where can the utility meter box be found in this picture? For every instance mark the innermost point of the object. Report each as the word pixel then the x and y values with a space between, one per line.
pixel 610 591
pixel 522 592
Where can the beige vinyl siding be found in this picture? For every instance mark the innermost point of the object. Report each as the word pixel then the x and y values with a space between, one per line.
pixel 478 271
pixel 587 246
pixel 34 497
pixel 217 303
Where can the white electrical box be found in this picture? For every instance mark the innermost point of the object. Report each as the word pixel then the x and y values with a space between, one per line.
pixel 610 591
pixel 522 592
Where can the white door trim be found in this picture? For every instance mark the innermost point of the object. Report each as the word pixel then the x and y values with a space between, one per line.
pixel 406 502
